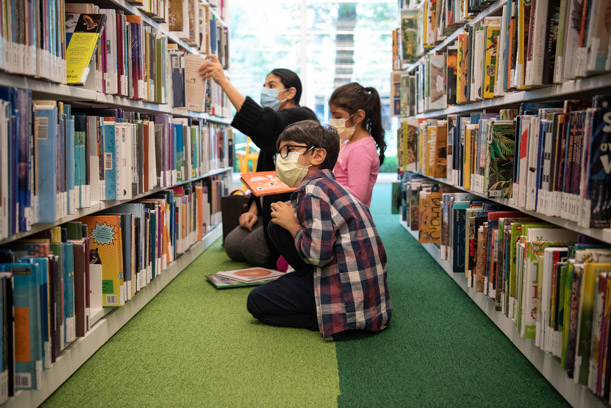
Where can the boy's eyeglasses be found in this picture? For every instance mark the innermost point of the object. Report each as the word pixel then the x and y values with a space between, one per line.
pixel 286 149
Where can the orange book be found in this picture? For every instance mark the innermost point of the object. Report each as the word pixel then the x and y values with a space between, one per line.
pixel 106 243
pixel 264 183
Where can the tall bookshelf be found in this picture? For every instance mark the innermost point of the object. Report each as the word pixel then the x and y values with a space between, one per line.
pixel 105 322
pixel 581 88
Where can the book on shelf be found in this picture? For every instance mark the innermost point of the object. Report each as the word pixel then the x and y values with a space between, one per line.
pixel 81 44
pixel 265 183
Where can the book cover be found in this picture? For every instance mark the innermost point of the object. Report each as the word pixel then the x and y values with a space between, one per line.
pixel 264 183
pixel 81 47
pixel 491 58
pixel 249 275
pixel 27 320
pixel 106 245
pixel 45 133
pixel 430 216
pixel 501 151
pixel 597 208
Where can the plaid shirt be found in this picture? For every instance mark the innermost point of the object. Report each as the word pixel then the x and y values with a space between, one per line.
pixel 341 241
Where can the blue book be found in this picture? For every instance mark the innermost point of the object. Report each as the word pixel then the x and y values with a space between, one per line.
pixel 68 277
pixel 80 161
pixel 70 159
pixel 43 280
pixel 179 150
pixel 110 160
pixel 46 169
pixel 28 336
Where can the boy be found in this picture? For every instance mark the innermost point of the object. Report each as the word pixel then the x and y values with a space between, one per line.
pixel 339 283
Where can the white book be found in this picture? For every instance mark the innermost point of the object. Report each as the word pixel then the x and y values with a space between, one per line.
pixel 534 67
pixel 477 78
pixel 531 181
pixel 571 40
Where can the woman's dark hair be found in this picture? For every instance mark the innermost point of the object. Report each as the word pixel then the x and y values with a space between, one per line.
pixel 290 80
pixel 312 133
pixel 352 97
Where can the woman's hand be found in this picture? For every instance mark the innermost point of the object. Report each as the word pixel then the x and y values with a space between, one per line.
pixel 212 68
pixel 283 215
pixel 248 220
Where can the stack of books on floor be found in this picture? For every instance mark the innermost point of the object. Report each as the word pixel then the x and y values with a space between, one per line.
pixel 243 277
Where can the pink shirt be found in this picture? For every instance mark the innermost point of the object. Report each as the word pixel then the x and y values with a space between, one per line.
pixel 357 168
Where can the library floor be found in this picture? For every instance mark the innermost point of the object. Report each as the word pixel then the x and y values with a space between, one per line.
pixel 197 346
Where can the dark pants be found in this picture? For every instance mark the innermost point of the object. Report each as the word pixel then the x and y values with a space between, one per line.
pixel 289 300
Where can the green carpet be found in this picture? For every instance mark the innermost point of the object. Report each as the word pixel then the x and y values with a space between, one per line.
pixel 440 350
pixel 194 345
pixel 197 346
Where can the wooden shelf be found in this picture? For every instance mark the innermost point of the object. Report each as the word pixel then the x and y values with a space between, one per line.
pixel 577 395
pixel 601 234
pixel 83 348
pixel 102 205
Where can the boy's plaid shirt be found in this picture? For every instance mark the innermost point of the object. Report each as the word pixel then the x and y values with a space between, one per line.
pixel 340 239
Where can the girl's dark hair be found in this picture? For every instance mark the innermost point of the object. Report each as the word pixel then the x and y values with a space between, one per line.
pixel 290 80
pixel 352 97
pixel 312 133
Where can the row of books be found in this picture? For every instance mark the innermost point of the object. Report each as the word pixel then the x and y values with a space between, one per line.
pixel 551 282
pixel 552 158
pixel 55 283
pixel 107 50
pixel 196 24
pixel 126 58
pixel 532 44
pixel 56 159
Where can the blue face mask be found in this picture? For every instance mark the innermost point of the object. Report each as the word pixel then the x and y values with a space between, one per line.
pixel 269 98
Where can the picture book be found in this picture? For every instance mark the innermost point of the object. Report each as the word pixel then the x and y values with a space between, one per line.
pixel 105 239
pixel 249 275
pixel 222 282
pixel 264 183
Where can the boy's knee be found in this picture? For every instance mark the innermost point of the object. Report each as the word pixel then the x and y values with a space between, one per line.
pixel 252 303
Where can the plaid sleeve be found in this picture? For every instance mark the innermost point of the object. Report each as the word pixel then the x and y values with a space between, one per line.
pixel 316 242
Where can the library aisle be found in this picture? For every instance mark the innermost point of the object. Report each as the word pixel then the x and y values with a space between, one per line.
pixel 193 345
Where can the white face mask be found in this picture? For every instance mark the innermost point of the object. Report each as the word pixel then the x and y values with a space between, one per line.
pixel 340 126
pixel 288 169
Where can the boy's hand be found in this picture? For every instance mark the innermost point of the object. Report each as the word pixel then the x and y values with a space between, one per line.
pixel 282 215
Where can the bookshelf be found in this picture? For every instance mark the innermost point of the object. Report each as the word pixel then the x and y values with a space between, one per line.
pixel 105 322
pixel 577 395
pixel 83 348
pixel 588 83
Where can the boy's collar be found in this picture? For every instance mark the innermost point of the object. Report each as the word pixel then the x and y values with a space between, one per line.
pixel 322 173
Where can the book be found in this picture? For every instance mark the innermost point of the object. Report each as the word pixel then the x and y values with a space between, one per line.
pixel 250 275
pixel 223 282
pixel 81 47
pixel 264 183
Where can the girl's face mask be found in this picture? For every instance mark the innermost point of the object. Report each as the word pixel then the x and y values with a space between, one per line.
pixel 340 126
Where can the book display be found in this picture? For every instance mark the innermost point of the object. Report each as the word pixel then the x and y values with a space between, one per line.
pixel 114 156
pixel 505 176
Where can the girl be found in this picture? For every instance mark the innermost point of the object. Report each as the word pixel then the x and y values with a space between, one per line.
pixel 278 108
pixel 356 115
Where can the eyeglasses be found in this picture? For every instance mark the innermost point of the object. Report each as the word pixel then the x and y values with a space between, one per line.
pixel 286 149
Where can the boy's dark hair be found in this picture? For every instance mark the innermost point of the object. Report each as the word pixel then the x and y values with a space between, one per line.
pixel 290 80
pixel 312 133
pixel 352 97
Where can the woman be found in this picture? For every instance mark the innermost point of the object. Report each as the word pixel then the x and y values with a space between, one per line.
pixel 263 123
